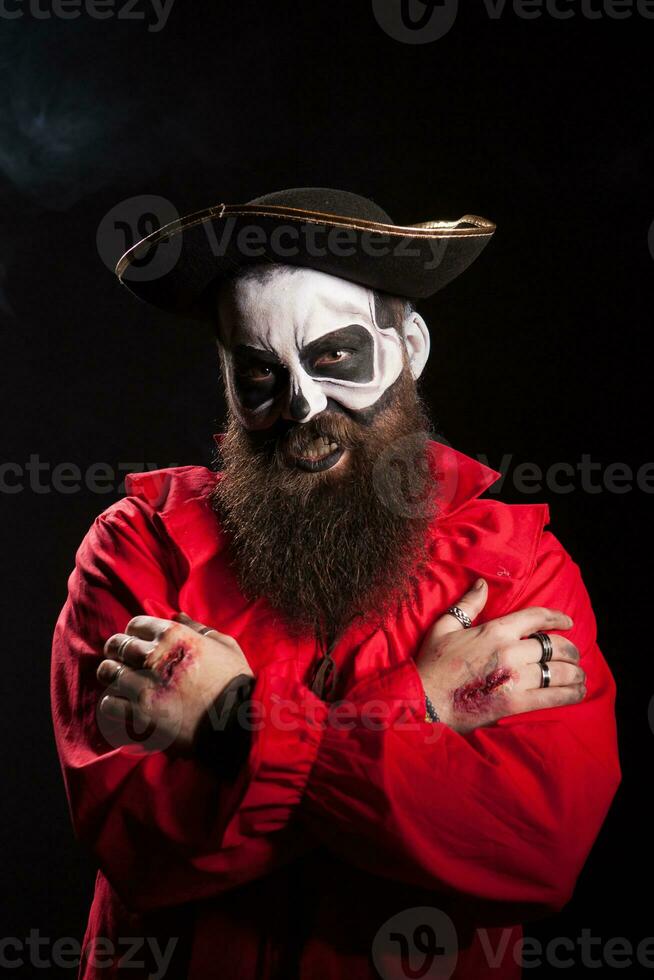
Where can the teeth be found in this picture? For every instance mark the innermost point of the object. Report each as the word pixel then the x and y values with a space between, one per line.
pixel 319 447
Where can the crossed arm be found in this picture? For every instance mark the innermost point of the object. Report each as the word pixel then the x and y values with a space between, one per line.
pixel 500 812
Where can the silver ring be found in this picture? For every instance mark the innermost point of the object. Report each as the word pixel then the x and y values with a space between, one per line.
pixel 119 670
pixel 545 641
pixel 207 629
pixel 462 617
pixel 546 676
pixel 120 652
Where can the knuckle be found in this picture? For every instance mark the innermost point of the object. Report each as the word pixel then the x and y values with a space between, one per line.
pixel 109 644
pixel 171 633
pixel 573 693
pixel 494 629
pixel 107 673
pixel 134 623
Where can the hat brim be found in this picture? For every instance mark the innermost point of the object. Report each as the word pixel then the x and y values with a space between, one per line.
pixel 173 267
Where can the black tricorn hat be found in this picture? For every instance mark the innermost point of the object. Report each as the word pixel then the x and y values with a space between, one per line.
pixel 332 231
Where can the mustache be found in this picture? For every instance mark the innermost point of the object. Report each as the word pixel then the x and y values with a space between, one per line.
pixel 330 425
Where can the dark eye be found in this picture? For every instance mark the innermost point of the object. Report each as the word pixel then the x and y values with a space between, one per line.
pixel 334 356
pixel 255 372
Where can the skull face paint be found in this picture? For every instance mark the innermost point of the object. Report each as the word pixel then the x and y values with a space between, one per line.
pixel 294 338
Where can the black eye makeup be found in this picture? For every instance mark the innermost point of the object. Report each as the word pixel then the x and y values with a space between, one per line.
pixel 255 372
pixel 345 355
pixel 258 375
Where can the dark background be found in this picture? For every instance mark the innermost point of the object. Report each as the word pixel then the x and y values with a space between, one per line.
pixel 539 352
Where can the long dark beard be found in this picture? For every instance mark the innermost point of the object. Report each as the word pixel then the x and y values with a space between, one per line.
pixel 328 549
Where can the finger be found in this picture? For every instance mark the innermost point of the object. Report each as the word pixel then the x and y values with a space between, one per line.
pixel 125 682
pixel 523 652
pixel 193 624
pixel 548 697
pixel 127 713
pixel 520 624
pixel 471 603
pixel 148 627
pixel 129 649
pixel 115 707
pixel 561 675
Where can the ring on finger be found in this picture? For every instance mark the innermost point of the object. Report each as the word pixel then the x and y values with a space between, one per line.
pixel 462 617
pixel 207 629
pixel 120 653
pixel 117 674
pixel 545 675
pixel 545 641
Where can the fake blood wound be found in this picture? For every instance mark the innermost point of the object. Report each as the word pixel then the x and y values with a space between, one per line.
pixel 475 695
pixel 172 663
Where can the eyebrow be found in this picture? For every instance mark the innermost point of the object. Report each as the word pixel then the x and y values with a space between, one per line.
pixel 256 353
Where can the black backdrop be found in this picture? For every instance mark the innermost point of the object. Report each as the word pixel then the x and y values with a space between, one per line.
pixel 539 353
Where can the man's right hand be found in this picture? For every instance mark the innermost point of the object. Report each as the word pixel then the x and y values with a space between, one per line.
pixel 477 675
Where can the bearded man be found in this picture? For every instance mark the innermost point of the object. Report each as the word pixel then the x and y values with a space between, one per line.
pixel 325 713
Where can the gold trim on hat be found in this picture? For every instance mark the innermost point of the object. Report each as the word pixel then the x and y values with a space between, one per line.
pixel 469 226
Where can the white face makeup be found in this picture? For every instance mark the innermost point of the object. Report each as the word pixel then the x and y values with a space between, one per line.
pixel 300 337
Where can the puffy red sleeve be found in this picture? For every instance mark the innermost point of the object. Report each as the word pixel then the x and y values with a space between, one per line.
pixel 163 830
pixel 507 813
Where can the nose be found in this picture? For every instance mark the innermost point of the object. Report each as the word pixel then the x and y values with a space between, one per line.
pixel 305 399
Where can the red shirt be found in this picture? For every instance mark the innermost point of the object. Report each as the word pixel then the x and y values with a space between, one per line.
pixel 332 827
